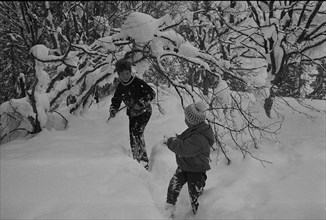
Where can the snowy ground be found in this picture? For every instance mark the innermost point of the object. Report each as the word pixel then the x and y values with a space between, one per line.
pixel 86 172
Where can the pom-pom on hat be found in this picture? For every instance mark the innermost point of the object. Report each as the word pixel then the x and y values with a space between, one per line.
pixel 196 112
pixel 121 65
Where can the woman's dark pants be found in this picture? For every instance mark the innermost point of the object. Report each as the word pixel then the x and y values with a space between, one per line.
pixel 137 126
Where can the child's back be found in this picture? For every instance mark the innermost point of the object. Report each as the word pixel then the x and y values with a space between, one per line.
pixel 192 147
pixel 192 150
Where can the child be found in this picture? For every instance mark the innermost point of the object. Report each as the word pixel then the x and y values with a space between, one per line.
pixel 192 150
pixel 136 95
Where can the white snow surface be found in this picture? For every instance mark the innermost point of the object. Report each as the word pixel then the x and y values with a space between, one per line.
pixel 87 172
pixel 142 27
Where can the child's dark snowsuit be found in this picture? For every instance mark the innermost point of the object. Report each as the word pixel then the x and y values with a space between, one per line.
pixel 192 149
pixel 135 92
pixel 196 184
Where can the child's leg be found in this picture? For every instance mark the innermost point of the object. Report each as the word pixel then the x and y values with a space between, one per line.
pixel 175 186
pixel 136 132
pixel 196 184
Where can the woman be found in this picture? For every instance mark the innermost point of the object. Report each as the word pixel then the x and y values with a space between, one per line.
pixel 136 95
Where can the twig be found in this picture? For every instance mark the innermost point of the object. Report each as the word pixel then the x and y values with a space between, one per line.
pixel 107 121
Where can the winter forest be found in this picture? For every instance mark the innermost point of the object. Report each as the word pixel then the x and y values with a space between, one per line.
pixel 260 66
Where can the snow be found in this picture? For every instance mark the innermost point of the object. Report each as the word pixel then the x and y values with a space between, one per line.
pixel 171 35
pixel 188 50
pixel 86 171
pixel 19 105
pixel 222 94
pixel 40 51
pixel 141 27
pixel 42 105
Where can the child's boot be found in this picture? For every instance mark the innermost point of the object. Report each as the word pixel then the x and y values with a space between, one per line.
pixel 145 164
pixel 169 210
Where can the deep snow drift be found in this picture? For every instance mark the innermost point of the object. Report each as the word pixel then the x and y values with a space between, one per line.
pixel 86 172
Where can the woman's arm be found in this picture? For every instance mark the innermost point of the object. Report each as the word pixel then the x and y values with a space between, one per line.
pixel 116 99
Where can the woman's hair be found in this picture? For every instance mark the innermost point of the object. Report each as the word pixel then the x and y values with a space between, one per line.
pixel 121 65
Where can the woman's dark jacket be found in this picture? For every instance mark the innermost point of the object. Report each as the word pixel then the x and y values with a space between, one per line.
pixel 136 91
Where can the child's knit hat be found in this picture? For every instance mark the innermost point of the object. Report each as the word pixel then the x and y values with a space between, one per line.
pixel 195 112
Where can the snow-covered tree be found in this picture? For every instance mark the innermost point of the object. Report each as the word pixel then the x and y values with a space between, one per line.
pixel 189 50
pixel 65 65
pixel 281 33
